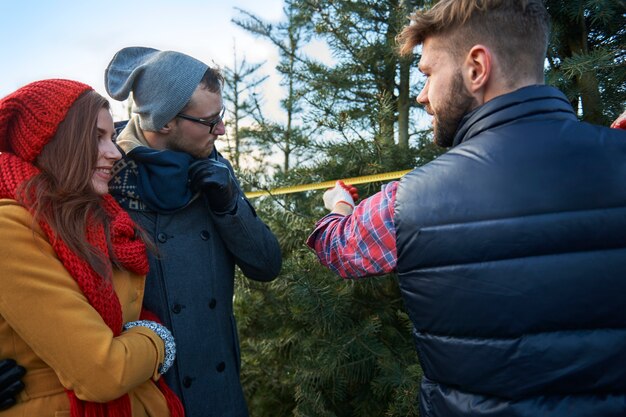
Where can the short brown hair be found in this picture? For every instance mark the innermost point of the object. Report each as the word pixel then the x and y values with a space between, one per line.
pixel 213 80
pixel 516 30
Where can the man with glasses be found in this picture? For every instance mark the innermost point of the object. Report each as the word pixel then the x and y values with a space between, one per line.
pixel 184 194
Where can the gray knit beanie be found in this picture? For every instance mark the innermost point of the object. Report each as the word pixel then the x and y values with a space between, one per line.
pixel 162 82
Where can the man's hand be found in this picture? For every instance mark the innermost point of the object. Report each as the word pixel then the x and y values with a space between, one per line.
pixel 620 122
pixel 213 178
pixel 340 199
pixel 10 382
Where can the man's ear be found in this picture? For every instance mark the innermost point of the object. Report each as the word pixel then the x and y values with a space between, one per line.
pixel 169 126
pixel 477 69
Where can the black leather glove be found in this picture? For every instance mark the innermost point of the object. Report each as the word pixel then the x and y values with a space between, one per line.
pixel 10 382
pixel 214 179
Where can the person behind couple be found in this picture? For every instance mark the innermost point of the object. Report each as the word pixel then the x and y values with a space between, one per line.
pixel 510 248
pixel 72 265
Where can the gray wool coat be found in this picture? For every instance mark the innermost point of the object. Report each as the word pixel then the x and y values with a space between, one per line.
pixel 190 287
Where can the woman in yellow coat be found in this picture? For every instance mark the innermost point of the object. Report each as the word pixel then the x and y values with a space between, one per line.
pixel 72 267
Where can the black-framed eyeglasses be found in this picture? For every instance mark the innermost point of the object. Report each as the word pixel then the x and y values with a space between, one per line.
pixel 211 123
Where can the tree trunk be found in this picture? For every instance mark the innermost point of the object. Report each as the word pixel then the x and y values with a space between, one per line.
pixel 587 82
pixel 404 103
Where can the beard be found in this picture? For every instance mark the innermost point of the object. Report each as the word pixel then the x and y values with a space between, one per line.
pixel 457 103
pixel 179 143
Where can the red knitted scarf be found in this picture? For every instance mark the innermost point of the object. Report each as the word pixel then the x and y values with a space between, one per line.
pixel 128 250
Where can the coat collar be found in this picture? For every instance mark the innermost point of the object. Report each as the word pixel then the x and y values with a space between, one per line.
pixel 132 136
pixel 526 102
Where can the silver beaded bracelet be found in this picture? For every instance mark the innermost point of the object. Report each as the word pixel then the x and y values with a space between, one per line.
pixel 165 335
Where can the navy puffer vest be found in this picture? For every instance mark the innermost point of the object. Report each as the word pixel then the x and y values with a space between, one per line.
pixel 512 264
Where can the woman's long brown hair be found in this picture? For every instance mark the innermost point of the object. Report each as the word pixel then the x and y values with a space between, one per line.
pixel 62 194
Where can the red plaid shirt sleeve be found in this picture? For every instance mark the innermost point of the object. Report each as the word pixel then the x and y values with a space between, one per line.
pixel 363 243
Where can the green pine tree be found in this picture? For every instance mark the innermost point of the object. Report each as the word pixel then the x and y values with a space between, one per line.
pixel 290 137
pixel 312 343
pixel 241 82
pixel 587 56
pixel 367 92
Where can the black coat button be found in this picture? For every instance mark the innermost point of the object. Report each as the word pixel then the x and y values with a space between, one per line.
pixel 176 308
pixel 187 381
pixel 212 303
pixel 205 235
pixel 220 367
pixel 162 237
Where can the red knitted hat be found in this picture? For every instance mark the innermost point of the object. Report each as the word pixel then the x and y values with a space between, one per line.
pixel 29 117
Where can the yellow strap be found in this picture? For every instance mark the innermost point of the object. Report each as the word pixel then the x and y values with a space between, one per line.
pixel 329 184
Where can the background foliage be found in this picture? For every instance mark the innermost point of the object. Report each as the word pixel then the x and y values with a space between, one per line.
pixel 313 344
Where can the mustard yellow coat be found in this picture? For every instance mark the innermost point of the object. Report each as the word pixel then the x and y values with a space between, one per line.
pixel 47 326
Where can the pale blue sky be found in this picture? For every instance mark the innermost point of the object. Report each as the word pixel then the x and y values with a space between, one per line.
pixel 76 39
